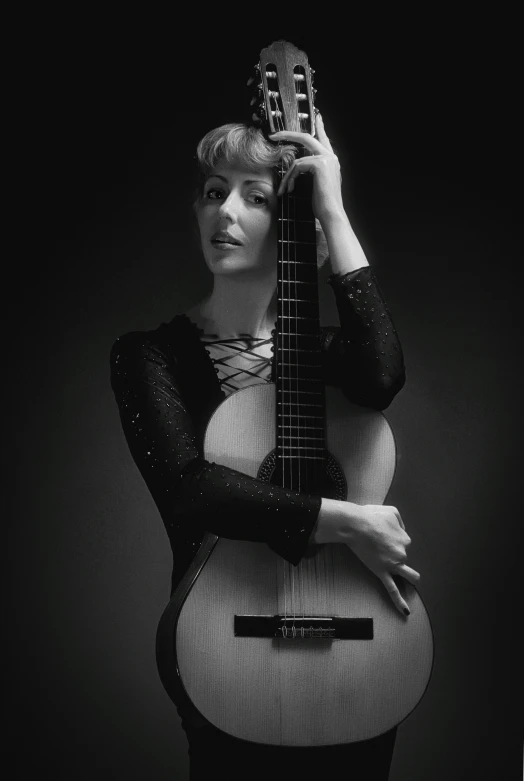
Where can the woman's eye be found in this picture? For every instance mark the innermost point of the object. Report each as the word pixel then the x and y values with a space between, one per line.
pixel 258 199
pixel 214 193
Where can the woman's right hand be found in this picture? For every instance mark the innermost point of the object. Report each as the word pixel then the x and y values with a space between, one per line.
pixel 376 534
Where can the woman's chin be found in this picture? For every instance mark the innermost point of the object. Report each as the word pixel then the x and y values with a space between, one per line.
pixel 229 264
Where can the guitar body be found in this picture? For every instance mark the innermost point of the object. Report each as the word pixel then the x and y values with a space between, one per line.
pixel 295 690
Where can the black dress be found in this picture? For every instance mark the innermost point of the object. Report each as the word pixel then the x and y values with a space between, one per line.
pixel 166 389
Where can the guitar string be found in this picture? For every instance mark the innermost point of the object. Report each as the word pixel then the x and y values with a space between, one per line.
pixel 309 467
pixel 293 384
pixel 326 555
pixel 280 357
pixel 286 387
pixel 323 556
pixel 284 213
pixel 302 463
pixel 288 375
pixel 289 266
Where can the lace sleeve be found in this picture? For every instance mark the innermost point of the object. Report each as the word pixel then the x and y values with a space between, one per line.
pixel 363 356
pixel 192 494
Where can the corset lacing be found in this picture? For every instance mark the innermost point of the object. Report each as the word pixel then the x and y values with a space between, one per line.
pixel 240 362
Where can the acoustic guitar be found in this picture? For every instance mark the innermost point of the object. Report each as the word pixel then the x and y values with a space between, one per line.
pixel 315 654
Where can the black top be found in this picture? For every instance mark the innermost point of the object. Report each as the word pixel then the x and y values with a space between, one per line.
pixel 166 389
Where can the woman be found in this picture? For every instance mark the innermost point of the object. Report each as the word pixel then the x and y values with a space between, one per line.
pixel 167 383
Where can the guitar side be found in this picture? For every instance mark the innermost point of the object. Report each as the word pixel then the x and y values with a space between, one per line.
pixel 294 692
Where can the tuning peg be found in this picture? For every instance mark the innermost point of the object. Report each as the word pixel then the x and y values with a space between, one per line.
pixel 256 75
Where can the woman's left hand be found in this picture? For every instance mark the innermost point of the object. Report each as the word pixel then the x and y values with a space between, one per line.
pixel 323 165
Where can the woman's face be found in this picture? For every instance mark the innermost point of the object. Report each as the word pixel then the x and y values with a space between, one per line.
pixel 237 220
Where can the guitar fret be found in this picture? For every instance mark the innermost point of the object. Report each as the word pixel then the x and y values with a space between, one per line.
pixel 294 333
pixel 312 443
pixel 298 317
pixel 302 417
pixel 290 349
pixel 314 428
pixel 294 241
pixel 297 300
pixel 297 262
pixel 307 366
pixel 297 431
pixel 299 281
pixel 298 404
pixel 302 222
pixel 302 447
pixel 312 458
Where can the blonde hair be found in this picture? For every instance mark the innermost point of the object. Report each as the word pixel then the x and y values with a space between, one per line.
pixel 244 146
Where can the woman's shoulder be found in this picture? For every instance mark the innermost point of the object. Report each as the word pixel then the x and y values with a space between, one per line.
pixel 201 323
pixel 169 338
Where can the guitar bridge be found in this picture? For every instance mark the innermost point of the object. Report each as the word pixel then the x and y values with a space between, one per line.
pixel 304 627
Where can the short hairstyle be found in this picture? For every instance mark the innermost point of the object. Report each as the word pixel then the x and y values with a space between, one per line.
pixel 242 145
pixel 246 147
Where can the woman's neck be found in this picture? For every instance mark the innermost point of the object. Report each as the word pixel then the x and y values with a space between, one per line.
pixel 238 306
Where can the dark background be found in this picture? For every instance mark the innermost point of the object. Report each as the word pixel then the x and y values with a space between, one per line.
pixel 423 112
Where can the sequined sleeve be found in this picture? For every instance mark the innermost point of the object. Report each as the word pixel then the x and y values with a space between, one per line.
pixel 158 416
pixel 364 356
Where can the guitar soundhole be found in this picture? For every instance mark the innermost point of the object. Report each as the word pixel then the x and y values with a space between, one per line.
pixel 328 480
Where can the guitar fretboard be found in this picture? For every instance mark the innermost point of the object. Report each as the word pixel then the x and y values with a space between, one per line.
pixel 300 386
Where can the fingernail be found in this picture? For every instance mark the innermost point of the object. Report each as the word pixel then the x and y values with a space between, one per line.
pixel 406 611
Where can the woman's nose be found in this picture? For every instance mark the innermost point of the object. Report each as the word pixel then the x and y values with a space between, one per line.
pixel 229 207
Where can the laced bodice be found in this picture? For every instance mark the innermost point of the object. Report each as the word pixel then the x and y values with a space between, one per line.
pixel 239 362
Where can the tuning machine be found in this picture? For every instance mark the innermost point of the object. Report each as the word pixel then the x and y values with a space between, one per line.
pixel 255 76
pixel 259 116
pixel 258 95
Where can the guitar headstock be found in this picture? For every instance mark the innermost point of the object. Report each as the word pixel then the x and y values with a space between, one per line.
pixel 284 94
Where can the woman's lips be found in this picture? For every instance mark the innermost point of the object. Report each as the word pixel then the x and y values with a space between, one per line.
pixel 224 240
pixel 224 245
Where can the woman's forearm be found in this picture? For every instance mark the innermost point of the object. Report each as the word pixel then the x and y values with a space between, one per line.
pixel 345 251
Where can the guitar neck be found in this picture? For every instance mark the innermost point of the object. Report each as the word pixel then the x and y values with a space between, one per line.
pixel 285 82
pixel 300 387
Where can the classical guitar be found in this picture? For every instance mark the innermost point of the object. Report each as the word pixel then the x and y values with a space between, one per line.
pixel 316 654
